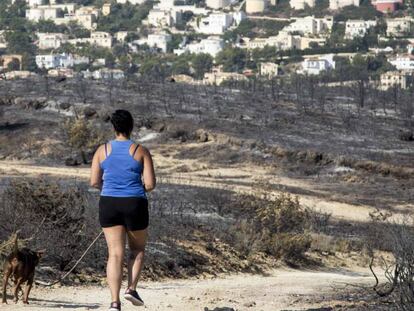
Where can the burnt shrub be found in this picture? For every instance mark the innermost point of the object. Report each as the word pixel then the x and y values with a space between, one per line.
pixel 48 216
pixel 84 136
pixel 405 135
pixel 395 235
pixel 276 227
pixel 282 225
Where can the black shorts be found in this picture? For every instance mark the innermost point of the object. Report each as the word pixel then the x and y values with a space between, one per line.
pixel 131 212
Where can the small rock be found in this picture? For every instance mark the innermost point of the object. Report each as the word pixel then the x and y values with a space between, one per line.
pixel 71 162
pixel 64 106
pixel 89 112
pixel 106 117
pixel 406 135
pixel 202 136
pixel 250 304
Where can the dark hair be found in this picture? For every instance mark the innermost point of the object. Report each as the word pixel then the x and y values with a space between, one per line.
pixel 122 121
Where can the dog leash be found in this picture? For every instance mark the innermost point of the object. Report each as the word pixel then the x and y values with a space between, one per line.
pixel 74 266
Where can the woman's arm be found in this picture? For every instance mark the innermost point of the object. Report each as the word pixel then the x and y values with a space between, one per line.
pixel 96 171
pixel 148 174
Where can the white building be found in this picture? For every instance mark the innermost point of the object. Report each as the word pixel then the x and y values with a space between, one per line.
pixel 217 77
pixel 358 28
pixel 108 74
pixel 238 17
pixel 316 65
pixel 168 5
pixel 50 61
pixel 211 45
pixel 97 38
pixel 339 4
pixel 301 4
pixel 395 78
pixel 163 17
pixel 165 4
pixel 256 6
pixel 37 14
pixel 87 16
pixel 100 38
pixel 399 27
pixel 310 42
pixel 217 4
pixel 403 62
pixel 106 9
pixel 159 41
pixel 215 23
pixel 269 70
pixel 3 42
pixel 61 72
pixel 51 40
pixel 53 12
pixel 120 36
pixel 131 1
pixel 311 25
pixel 283 41
pixel 33 3
pixel 62 14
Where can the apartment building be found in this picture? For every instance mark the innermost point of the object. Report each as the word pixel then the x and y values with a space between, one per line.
pixel 163 17
pixel 269 70
pixel 217 4
pixel 51 40
pixel 159 41
pixel 97 38
pixel 301 4
pixel 335 5
pixel 403 62
pixel 316 65
pixel 358 28
pixel 49 61
pixel 211 45
pixel 3 42
pixel 400 79
pixel 215 23
pixel 311 25
pixel 399 27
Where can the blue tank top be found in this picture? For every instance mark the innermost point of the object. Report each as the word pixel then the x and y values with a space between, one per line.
pixel 121 172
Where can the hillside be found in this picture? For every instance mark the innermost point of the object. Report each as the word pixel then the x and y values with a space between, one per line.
pixel 220 154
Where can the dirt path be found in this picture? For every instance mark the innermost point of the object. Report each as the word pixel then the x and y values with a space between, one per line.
pixel 283 289
pixel 240 180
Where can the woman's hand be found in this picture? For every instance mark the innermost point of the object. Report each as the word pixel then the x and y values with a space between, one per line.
pixel 96 171
pixel 148 173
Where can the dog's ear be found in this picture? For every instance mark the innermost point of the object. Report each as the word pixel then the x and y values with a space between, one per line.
pixel 40 253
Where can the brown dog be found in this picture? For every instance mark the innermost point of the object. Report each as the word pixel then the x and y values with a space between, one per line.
pixel 21 265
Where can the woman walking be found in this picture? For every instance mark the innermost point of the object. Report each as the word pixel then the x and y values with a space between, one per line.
pixel 124 172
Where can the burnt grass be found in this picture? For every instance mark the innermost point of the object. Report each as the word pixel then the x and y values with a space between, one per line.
pixel 189 235
pixel 245 126
pixel 350 154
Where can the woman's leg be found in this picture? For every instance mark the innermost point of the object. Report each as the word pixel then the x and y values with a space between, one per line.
pixel 137 241
pixel 115 238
